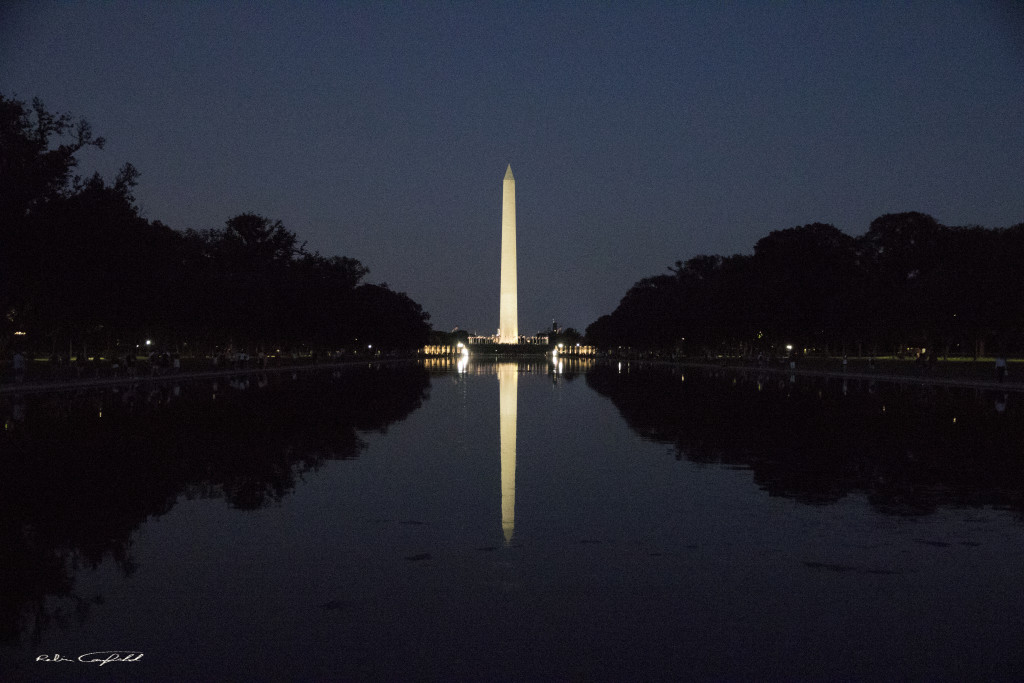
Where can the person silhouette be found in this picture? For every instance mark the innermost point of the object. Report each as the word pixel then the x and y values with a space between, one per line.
pixel 1001 368
pixel 20 367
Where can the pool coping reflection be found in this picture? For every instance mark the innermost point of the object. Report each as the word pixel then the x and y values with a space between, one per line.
pixel 104 382
pixel 889 378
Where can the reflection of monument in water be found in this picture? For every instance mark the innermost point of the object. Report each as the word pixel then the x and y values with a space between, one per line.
pixel 508 388
pixel 508 306
pixel 508 407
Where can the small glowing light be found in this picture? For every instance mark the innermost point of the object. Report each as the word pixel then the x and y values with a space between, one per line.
pixel 682 378
pixel 101 415
pixel 954 420
pixel 620 366
pixel 149 342
pixel 369 346
pixel 789 347
pixel 20 334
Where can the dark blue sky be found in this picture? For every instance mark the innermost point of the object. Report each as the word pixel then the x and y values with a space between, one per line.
pixel 638 134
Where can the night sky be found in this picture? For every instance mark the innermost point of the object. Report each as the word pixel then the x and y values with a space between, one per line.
pixel 638 135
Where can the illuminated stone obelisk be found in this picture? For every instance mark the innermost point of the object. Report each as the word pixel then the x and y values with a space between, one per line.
pixel 508 400
pixel 508 309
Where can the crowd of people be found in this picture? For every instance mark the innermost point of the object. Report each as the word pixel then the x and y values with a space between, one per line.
pixel 71 367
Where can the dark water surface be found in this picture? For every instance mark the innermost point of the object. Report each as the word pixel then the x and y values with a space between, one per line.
pixel 504 522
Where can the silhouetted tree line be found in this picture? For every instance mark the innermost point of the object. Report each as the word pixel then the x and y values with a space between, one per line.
pixel 908 281
pixel 80 266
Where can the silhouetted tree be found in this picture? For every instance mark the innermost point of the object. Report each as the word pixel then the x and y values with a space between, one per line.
pixel 80 267
pixel 806 281
pixel 908 281
pixel 389 319
pixel 37 156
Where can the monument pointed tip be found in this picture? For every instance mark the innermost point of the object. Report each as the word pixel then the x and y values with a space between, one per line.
pixel 508 173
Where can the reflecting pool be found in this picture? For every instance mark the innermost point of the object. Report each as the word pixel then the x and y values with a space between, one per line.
pixel 501 521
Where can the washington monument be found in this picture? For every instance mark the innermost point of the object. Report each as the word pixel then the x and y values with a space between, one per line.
pixel 508 310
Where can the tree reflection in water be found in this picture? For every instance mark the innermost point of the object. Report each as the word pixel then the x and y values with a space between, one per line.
pixel 910 449
pixel 81 471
